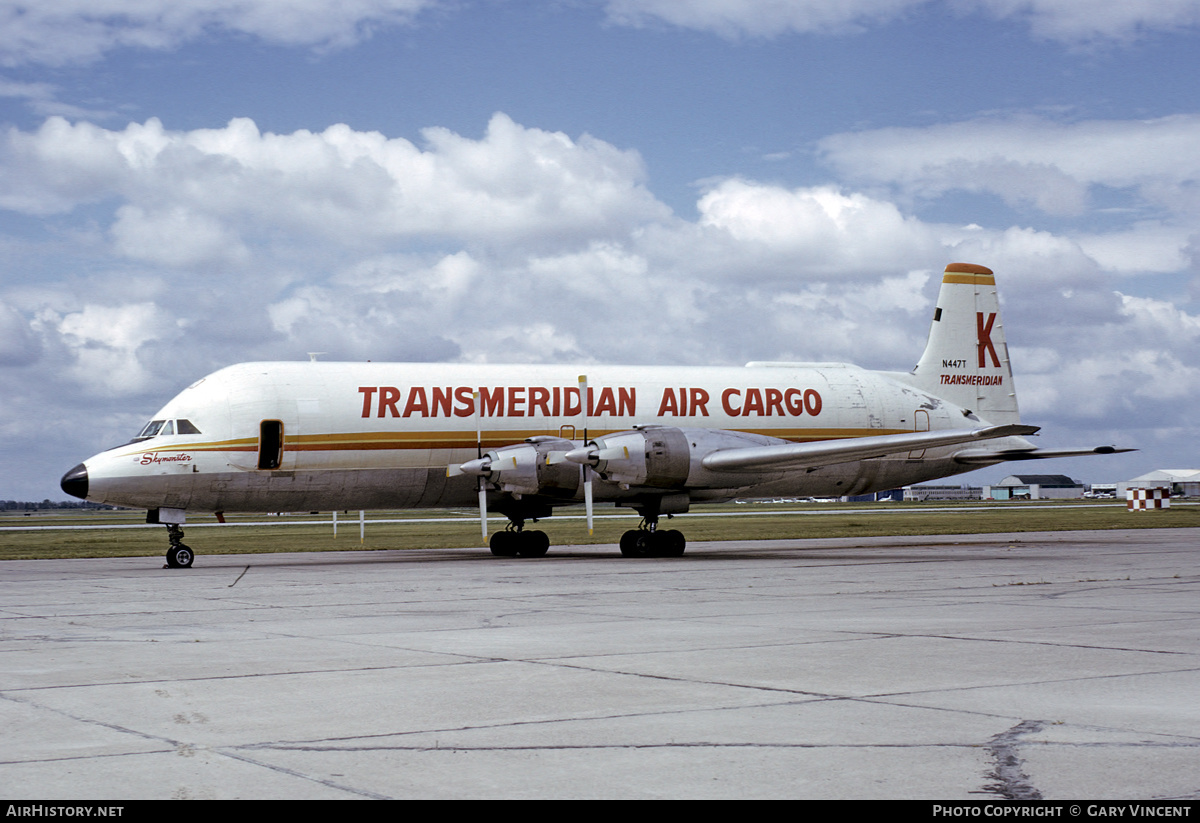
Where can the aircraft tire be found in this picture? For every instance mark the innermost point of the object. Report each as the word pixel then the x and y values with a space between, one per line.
pixel 672 544
pixel 504 544
pixel 180 557
pixel 629 544
pixel 640 543
pixel 646 544
pixel 533 544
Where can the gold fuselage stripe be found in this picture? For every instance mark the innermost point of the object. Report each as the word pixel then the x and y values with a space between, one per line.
pixel 403 441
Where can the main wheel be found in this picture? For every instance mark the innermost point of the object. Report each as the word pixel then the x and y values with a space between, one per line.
pixel 629 544
pixel 672 543
pixel 646 544
pixel 533 544
pixel 505 544
pixel 180 557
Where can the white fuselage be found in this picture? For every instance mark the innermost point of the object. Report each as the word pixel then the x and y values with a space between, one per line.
pixel 371 436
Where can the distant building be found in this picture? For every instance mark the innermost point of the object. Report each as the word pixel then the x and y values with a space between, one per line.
pixel 1034 487
pixel 890 494
pixel 1185 482
pixel 919 493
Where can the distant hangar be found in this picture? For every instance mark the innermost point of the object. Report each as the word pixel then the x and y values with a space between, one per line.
pixel 1181 482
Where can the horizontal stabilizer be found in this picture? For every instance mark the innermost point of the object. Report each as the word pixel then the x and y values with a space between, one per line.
pixel 971 456
pixel 814 455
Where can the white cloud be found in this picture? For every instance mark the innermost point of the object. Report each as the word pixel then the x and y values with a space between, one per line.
pixel 759 18
pixel 1147 246
pixel 1085 21
pixel 1068 21
pixel 104 347
pixel 19 346
pixel 174 236
pixel 451 276
pixel 527 245
pixel 365 246
pixel 1133 367
pixel 1162 325
pixel 1031 161
pixel 194 196
pixel 56 168
pixel 821 229
pixel 1034 259
pixel 1145 174
pixel 74 31
pixel 67 32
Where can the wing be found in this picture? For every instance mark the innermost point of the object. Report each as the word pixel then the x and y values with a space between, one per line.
pixel 814 455
pixel 983 456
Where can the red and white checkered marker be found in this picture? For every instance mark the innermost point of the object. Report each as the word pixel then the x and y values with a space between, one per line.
pixel 1140 500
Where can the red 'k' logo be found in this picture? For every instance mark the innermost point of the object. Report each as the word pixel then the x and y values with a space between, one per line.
pixel 984 334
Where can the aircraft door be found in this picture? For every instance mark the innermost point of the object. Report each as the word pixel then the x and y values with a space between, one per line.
pixel 920 424
pixel 270 444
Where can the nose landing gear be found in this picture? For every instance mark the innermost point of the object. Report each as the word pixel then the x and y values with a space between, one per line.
pixel 179 556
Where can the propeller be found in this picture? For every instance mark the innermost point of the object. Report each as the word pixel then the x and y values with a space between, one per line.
pixel 518 468
pixel 479 452
pixel 587 469
pixel 481 467
pixel 588 458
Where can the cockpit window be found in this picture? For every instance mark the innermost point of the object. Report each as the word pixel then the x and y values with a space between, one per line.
pixel 157 428
pixel 152 429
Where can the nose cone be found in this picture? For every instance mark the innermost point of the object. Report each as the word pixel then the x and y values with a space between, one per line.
pixel 75 482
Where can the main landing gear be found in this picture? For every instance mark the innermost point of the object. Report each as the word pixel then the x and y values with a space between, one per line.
pixel 648 541
pixel 514 541
pixel 179 556
pixel 645 541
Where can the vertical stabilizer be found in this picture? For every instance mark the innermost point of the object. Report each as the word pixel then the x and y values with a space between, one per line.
pixel 966 358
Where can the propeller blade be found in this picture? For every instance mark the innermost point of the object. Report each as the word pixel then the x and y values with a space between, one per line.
pixel 587 495
pixel 584 456
pixel 482 480
pixel 483 506
pixel 583 405
pixel 613 453
pixel 478 425
pixel 590 455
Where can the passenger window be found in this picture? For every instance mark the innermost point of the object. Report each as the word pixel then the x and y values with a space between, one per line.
pixel 270 444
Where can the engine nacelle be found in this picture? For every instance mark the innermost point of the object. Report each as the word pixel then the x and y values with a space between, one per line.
pixel 655 456
pixel 648 457
pixel 663 457
pixel 524 469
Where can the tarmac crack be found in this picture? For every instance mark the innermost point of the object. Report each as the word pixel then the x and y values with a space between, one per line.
pixel 302 776
pixel 1011 782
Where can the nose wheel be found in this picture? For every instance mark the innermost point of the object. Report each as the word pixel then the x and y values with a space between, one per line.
pixel 179 556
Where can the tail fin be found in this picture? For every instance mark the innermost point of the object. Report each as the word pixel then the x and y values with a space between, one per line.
pixel 966 358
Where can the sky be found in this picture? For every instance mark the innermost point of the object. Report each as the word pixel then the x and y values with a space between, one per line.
pixel 186 184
